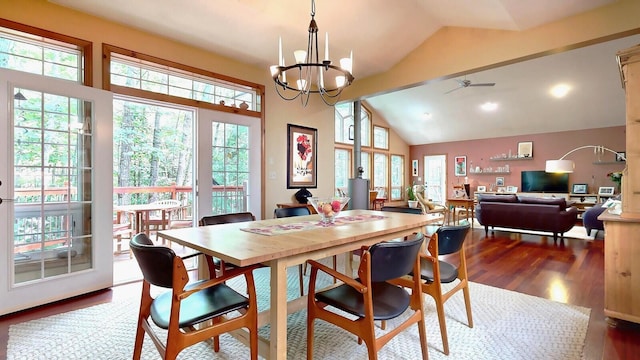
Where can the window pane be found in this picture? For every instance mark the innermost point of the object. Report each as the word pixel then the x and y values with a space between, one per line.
pixel 397 176
pixel 380 137
pixel 380 170
pixel 365 162
pixel 343 165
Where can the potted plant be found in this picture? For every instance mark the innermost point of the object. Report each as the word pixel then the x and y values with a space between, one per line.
pixel 411 197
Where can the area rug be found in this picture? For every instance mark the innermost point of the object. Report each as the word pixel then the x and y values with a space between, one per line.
pixel 507 325
pixel 576 232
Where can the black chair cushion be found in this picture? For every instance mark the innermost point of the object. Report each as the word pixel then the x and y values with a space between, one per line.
pixel 389 301
pixel 448 272
pixel 200 306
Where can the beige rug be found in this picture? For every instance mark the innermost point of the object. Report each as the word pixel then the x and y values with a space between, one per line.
pixel 508 325
pixel 576 232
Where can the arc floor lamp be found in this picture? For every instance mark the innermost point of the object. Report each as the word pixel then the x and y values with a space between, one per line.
pixel 563 165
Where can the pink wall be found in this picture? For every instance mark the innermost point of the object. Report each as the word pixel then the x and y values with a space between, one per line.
pixel 545 147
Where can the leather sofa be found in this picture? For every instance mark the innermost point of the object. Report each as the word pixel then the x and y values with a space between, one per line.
pixel 527 213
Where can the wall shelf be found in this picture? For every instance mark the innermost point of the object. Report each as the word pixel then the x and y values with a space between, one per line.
pixel 511 158
pixel 608 162
pixel 490 172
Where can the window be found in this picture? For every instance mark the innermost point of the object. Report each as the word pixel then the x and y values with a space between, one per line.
pixel 380 171
pixel 380 137
pixel 344 125
pixel 397 177
pixel 343 168
pixel 43 52
pixel 136 74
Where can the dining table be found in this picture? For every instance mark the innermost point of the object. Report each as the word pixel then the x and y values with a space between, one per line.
pixel 141 214
pixel 285 242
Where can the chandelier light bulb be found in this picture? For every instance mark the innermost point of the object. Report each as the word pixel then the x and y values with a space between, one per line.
pixel 301 56
pixel 340 81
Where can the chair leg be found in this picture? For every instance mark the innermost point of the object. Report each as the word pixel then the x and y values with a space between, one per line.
pixel 335 266
pixel 301 277
pixel 467 304
pixel 443 324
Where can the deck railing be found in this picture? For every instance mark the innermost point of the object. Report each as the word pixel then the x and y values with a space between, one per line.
pixel 31 234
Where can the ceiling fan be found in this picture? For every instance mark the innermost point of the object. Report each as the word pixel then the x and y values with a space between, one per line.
pixel 466 83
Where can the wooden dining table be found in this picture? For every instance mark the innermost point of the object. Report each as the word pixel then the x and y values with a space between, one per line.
pixel 234 244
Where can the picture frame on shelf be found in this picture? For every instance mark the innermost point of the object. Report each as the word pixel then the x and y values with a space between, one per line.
pixel 460 165
pixel 414 167
pixel 606 190
pixel 525 149
pixel 500 181
pixel 302 144
pixel 579 188
pixel 512 189
pixel 481 188
pixel 621 155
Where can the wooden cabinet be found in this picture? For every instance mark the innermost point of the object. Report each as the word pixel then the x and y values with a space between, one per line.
pixel 622 232
pixel 621 267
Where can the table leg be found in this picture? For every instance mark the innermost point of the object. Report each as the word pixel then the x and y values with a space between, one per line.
pixel 278 311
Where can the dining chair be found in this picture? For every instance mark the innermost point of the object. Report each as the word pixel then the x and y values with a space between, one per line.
pixel 297 211
pixel 122 229
pixel 185 310
pixel 159 220
pixel 371 297
pixel 219 264
pixel 372 199
pixel 447 240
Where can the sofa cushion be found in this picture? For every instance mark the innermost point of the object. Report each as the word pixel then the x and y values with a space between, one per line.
pixel 544 201
pixel 510 198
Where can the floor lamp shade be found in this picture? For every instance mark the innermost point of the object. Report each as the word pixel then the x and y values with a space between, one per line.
pixel 559 166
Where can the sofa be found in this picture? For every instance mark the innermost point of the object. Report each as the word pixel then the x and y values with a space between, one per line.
pixel 590 219
pixel 526 213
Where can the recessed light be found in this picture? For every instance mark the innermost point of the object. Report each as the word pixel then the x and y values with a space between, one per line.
pixel 427 115
pixel 489 106
pixel 560 90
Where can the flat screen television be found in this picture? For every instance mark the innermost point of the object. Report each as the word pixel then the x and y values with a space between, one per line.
pixel 541 181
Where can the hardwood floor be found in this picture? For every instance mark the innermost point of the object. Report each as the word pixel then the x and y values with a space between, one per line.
pixel 570 271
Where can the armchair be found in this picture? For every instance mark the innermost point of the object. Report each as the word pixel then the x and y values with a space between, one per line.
pixel 429 207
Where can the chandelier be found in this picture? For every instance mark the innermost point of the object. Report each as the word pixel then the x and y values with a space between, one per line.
pixel 309 75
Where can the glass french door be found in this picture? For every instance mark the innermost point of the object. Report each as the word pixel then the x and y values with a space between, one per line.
pixel 435 177
pixel 229 160
pixel 55 169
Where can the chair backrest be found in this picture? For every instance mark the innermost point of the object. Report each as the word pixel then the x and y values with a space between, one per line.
pixel 226 218
pixel 291 211
pixel 451 238
pixel 391 259
pixel 372 195
pixel 156 262
pixel 168 202
pixel 402 209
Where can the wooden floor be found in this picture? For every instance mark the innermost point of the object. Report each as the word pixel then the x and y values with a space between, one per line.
pixel 570 271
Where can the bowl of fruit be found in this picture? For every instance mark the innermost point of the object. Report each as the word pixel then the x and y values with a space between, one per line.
pixel 328 208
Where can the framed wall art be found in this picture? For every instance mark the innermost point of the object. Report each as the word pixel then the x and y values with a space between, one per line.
pixel 500 181
pixel 525 149
pixel 621 155
pixel 460 166
pixel 302 144
pixel 606 190
pixel 414 167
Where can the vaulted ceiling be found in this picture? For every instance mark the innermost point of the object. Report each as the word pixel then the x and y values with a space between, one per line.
pixel 381 33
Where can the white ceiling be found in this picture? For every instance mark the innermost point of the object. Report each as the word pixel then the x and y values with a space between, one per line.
pixel 248 30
